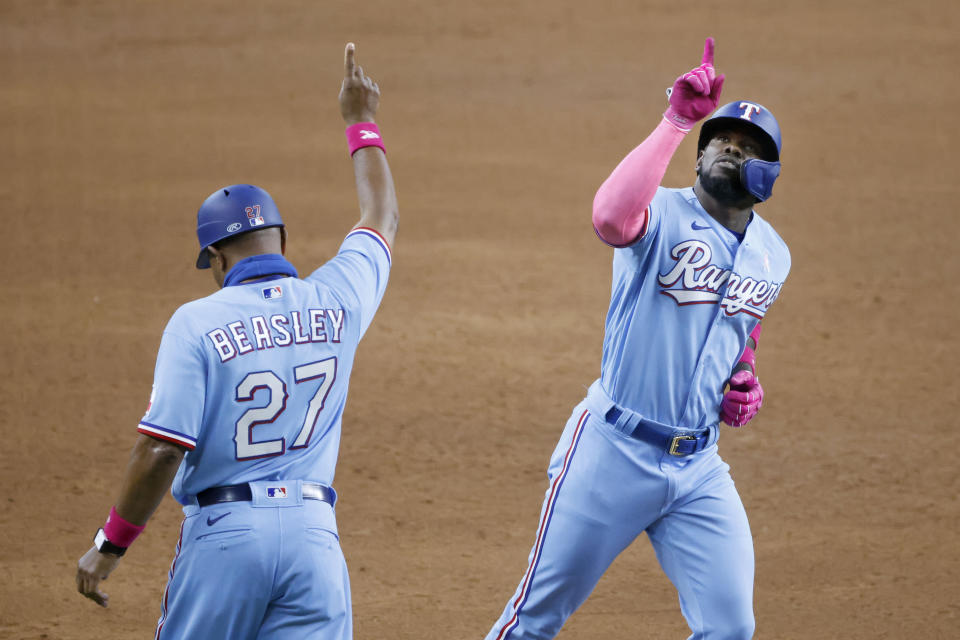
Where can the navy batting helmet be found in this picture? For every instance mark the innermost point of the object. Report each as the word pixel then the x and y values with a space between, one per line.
pixel 757 175
pixel 231 211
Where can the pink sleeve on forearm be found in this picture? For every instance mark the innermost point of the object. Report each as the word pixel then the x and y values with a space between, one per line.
pixel 620 206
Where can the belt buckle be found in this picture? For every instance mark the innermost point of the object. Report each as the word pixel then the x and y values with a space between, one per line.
pixel 676 442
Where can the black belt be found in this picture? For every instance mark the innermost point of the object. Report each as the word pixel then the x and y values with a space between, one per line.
pixel 685 444
pixel 242 493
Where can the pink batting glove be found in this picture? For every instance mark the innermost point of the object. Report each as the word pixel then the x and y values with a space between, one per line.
pixel 743 400
pixel 695 94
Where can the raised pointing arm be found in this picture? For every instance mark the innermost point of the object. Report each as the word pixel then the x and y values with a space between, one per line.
pixel 359 101
pixel 620 206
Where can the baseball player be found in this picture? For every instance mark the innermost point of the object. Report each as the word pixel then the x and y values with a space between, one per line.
pixel 694 271
pixel 245 415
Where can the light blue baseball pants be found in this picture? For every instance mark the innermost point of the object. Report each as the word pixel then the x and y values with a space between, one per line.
pixel 270 569
pixel 607 488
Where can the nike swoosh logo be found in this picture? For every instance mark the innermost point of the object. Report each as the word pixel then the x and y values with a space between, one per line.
pixel 213 521
pixel 696 227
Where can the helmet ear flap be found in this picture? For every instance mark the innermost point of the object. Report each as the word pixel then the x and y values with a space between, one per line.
pixel 758 177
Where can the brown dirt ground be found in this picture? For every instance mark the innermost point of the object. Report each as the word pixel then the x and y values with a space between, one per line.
pixel 501 118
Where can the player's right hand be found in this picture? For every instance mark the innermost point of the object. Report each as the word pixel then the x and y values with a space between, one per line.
pixel 91 569
pixel 695 94
pixel 359 95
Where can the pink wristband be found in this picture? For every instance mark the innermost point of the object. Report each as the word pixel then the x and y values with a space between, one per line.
pixel 755 334
pixel 119 531
pixel 364 134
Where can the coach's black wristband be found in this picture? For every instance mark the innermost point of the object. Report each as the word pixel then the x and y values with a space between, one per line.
pixel 105 546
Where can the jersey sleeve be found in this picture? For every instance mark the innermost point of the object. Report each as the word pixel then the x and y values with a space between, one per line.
pixel 175 411
pixel 621 207
pixel 634 257
pixel 359 272
pixel 654 214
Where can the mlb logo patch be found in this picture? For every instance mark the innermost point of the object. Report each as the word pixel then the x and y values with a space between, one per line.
pixel 272 293
pixel 276 492
pixel 253 215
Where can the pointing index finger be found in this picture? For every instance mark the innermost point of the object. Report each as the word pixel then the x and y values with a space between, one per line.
pixel 708 46
pixel 348 63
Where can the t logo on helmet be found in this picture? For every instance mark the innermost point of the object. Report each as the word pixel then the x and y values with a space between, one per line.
pixel 749 109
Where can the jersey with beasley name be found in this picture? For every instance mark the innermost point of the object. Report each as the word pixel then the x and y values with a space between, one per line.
pixel 684 299
pixel 252 380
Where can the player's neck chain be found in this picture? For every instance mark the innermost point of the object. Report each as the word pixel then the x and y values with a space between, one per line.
pixel 258 266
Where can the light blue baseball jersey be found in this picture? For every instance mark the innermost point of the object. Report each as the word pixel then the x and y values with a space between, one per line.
pixel 253 379
pixel 684 299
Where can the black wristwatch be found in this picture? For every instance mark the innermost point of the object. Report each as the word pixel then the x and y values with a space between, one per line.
pixel 105 546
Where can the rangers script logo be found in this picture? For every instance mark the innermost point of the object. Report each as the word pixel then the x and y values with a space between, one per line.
pixel 701 282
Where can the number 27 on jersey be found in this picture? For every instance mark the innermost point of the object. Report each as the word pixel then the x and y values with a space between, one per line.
pixel 323 372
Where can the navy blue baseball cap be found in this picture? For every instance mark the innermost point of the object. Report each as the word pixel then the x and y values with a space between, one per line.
pixel 230 211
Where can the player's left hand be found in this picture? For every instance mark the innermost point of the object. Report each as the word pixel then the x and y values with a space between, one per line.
pixel 91 569
pixel 743 400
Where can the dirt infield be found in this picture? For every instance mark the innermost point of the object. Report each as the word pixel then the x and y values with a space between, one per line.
pixel 501 120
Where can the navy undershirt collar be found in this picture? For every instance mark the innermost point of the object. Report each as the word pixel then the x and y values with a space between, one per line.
pixel 269 266
pixel 740 236
pixel 693 199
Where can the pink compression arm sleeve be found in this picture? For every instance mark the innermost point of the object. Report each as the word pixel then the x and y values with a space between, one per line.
pixel 620 206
